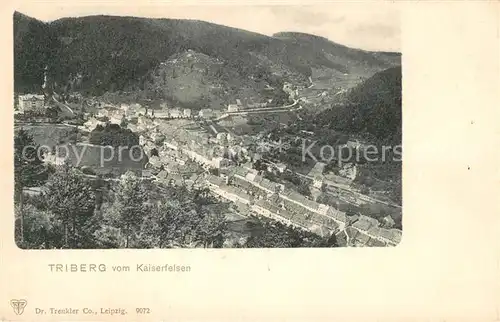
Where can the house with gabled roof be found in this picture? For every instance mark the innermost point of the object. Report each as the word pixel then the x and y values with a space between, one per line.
pixel 390 236
pixel 364 223
pixel 361 239
pixel 337 215
pixel 375 243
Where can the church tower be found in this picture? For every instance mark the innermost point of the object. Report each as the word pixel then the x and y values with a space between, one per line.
pixel 45 71
pixel 46 86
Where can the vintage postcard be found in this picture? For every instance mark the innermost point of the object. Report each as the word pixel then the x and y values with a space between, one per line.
pixel 164 153
pixel 135 132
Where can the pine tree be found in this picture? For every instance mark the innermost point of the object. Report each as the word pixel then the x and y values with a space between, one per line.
pixel 131 205
pixel 72 200
pixel 177 224
pixel 211 230
pixel 39 228
pixel 29 169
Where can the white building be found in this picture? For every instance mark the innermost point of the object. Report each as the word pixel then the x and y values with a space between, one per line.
pixel 281 167
pixel 187 112
pixel 175 113
pixel 54 159
pixel 31 102
pixel 257 105
pixel 233 108
pixel 141 111
pixel 206 113
pixel 116 116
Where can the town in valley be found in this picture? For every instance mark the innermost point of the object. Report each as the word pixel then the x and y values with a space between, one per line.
pixel 126 141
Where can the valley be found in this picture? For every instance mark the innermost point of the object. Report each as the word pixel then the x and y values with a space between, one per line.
pixel 220 118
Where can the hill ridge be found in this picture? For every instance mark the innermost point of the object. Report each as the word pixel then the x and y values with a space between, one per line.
pixel 111 53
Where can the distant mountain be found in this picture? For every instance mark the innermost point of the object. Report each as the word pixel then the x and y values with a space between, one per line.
pixel 325 53
pixel 96 54
pixel 372 109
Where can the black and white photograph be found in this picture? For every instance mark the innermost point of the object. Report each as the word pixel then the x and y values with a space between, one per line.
pixel 208 130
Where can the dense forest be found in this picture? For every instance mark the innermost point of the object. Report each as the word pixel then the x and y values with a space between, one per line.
pixel 372 109
pixel 113 135
pixel 101 53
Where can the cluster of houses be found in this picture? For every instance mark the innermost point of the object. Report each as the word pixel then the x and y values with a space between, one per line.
pixel 249 190
pixel 170 113
pixel 242 185
pixel 115 114
pixel 175 142
pixel 269 199
pixel 180 144
pixel 248 105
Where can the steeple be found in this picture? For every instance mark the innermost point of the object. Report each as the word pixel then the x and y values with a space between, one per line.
pixel 46 86
pixel 45 72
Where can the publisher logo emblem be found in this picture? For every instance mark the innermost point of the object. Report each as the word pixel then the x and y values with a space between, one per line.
pixel 18 306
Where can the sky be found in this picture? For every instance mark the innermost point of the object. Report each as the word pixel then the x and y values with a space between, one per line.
pixel 373 25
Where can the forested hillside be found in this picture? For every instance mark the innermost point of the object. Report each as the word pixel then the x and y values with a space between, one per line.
pixel 97 54
pixel 372 109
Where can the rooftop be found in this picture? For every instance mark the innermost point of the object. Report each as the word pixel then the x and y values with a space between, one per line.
pixel 215 180
pixel 267 205
pixel 375 243
pixel 301 199
pixel 240 171
pixel 364 223
pixel 393 235
pixel 31 97
pixel 162 175
pixel 246 185
pixel 268 184
pixel 236 191
pixel 374 231
pixel 351 232
pixel 336 214
pixel 286 214
pixel 362 238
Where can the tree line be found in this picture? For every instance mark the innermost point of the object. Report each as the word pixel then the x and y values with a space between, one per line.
pixel 113 135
